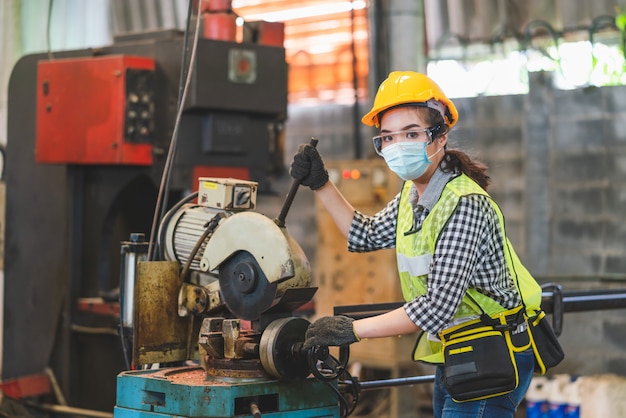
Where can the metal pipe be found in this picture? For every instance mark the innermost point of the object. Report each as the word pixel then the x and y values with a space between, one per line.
pixel 573 301
pixel 132 252
pixel 586 301
pixel 254 410
pixel 58 393
pixel 387 383
pixel 356 118
pixel 250 348
pixel 69 410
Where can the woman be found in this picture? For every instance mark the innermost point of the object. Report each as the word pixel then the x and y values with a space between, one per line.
pixel 454 260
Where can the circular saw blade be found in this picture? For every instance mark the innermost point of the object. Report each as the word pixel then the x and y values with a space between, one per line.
pixel 245 290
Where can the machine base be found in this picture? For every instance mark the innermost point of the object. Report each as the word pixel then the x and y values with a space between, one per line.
pixel 189 392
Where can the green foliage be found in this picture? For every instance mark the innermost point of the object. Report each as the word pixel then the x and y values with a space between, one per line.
pixel 620 21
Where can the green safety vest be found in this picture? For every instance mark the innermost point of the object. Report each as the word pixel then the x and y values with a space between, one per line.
pixel 415 252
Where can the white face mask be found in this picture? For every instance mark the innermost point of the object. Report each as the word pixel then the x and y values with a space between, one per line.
pixel 408 159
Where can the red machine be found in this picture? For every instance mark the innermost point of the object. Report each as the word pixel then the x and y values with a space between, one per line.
pixel 95 110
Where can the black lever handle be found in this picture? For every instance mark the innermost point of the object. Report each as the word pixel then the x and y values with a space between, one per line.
pixel 280 221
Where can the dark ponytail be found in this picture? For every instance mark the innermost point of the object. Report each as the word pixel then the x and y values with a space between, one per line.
pixel 455 159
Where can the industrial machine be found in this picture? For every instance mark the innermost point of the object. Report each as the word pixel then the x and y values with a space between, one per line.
pixel 225 292
pixel 203 320
pixel 89 133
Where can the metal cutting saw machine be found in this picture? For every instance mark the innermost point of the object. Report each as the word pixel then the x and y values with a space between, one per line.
pixel 213 323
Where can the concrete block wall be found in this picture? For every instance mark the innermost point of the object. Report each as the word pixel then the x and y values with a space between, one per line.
pixel 588 181
pixel 491 129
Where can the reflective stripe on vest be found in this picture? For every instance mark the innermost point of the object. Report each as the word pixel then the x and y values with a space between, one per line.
pixel 415 266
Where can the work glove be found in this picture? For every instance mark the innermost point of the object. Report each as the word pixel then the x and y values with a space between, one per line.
pixel 330 331
pixel 308 167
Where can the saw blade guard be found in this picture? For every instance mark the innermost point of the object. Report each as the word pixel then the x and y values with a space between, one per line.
pixel 244 244
pixel 250 248
pixel 278 255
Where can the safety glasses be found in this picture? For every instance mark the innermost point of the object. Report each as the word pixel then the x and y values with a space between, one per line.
pixel 410 135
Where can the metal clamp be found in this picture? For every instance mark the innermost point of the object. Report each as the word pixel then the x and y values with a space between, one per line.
pixel 557 306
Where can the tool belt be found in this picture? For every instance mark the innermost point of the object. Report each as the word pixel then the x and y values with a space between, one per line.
pixel 479 355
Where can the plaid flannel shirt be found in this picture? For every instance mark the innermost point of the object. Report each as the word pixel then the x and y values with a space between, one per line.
pixel 469 252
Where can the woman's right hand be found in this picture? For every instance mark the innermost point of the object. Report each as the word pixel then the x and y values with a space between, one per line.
pixel 308 167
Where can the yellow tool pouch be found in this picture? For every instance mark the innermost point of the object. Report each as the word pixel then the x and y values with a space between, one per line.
pixel 546 346
pixel 479 359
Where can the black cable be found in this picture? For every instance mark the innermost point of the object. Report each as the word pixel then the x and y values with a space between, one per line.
pixel 3 155
pixel 355 392
pixel 356 118
pixel 181 83
pixel 166 218
pixel 344 403
pixel 49 19
pixel 174 140
pixel 346 409
pixel 124 347
pixel 380 41
pixel 210 227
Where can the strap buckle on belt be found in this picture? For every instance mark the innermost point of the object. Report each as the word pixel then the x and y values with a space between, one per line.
pixel 512 320
pixel 486 319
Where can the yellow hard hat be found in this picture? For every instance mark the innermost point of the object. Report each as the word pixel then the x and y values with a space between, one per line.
pixel 402 87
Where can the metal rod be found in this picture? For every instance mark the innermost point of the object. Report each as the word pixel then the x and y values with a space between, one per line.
pixel 367 310
pixel 58 393
pixel 573 301
pixel 587 302
pixel 254 410
pixel 69 410
pixel 387 383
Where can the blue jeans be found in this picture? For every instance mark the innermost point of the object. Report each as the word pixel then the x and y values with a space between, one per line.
pixel 503 406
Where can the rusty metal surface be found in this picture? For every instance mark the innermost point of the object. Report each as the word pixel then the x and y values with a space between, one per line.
pixel 224 338
pixel 211 339
pixel 195 300
pixel 160 335
pixel 235 368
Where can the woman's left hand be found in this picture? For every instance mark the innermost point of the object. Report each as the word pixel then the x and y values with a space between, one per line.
pixel 330 331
